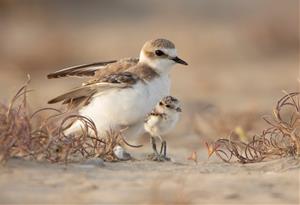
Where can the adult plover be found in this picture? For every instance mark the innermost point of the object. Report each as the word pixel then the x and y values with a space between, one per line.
pixel 160 121
pixel 121 93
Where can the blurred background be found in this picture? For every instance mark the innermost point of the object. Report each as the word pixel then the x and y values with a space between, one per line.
pixel 241 54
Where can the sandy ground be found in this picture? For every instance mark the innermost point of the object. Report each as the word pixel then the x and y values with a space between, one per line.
pixel 184 182
pixel 230 89
pixel 146 182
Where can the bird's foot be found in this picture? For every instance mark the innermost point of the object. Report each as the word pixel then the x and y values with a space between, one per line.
pixel 158 157
pixel 155 156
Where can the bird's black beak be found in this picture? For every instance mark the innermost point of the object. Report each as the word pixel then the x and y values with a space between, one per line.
pixel 180 61
pixel 178 109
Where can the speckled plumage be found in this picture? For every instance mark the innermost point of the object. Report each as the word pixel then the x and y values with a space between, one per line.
pixel 164 117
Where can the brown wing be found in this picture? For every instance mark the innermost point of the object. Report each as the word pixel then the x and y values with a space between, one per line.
pixel 83 94
pixel 117 67
pixel 80 70
pixel 95 69
pixel 77 93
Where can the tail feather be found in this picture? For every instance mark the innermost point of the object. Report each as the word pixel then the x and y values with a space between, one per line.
pixel 74 94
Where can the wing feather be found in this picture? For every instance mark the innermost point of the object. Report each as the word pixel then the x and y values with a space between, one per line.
pixel 86 91
pixel 81 94
pixel 98 69
pixel 80 70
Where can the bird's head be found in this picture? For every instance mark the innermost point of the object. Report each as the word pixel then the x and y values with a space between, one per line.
pixel 160 54
pixel 168 104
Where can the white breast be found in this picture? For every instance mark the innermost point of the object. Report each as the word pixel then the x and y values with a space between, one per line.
pixel 158 126
pixel 124 107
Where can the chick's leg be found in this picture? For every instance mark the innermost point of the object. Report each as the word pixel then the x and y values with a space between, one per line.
pixel 153 143
pixel 163 149
pixel 155 156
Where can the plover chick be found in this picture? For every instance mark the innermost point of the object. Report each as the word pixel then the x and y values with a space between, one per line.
pixel 160 121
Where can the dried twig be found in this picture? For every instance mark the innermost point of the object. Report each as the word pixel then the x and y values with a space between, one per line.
pixel 281 139
pixel 32 137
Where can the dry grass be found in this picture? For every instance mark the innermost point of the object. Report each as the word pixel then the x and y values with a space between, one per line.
pixel 280 139
pixel 15 128
pixel 40 136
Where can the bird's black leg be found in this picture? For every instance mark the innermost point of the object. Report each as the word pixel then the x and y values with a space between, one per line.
pixel 155 156
pixel 164 150
pixel 162 155
pixel 152 140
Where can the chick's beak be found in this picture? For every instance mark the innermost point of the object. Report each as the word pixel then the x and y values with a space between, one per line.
pixel 180 61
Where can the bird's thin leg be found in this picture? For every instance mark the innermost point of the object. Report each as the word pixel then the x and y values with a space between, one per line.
pixel 164 144
pixel 163 149
pixel 158 156
pixel 161 145
pixel 152 141
pixel 155 156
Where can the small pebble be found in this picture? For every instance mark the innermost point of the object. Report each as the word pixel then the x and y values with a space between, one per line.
pixel 121 154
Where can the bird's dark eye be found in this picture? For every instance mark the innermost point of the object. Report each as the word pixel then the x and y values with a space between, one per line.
pixel 168 106
pixel 160 103
pixel 159 53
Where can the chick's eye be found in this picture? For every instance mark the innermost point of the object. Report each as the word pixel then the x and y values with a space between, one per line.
pixel 159 53
pixel 168 106
pixel 160 103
